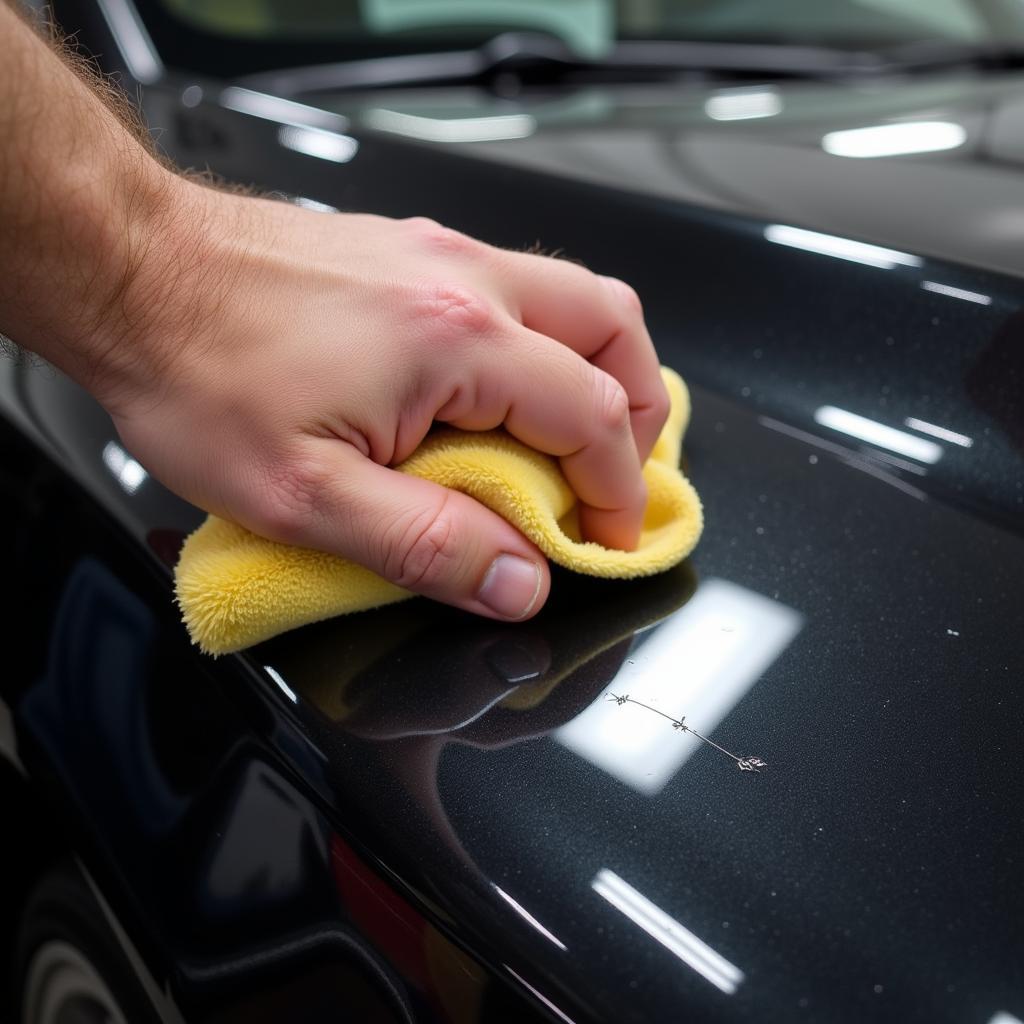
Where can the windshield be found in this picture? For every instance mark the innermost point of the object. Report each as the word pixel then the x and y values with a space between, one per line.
pixel 589 26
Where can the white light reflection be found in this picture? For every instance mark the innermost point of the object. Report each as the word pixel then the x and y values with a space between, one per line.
pixel 895 139
pixel 318 142
pixel 668 931
pixel 841 248
pixel 957 293
pixel 743 104
pixel 463 129
pixel 137 49
pixel 1002 1017
pixel 528 917
pixel 699 663
pixel 281 111
pixel 878 434
pixel 284 687
pixel 313 204
pixel 126 471
pixel 941 432
pixel 540 995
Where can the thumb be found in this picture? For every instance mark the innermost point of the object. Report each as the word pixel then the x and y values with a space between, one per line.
pixel 424 538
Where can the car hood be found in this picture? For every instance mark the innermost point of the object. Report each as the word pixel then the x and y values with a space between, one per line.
pixel 850 617
pixel 928 163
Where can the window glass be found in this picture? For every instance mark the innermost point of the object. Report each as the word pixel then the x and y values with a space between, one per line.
pixel 588 23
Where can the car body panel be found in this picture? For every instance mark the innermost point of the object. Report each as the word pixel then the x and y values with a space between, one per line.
pixel 851 616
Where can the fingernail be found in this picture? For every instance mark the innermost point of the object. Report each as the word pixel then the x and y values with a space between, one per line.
pixel 511 586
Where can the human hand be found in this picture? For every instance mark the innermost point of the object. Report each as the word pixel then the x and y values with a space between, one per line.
pixel 280 361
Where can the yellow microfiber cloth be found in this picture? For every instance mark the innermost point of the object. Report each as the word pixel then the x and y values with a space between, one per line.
pixel 236 589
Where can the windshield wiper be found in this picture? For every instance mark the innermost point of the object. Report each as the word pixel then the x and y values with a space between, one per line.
pixel 540 57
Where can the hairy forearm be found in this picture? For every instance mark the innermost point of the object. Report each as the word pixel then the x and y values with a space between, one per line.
pixel 81 203
pixel 269 363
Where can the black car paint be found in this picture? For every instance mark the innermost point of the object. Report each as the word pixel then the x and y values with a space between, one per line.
pixel 377 812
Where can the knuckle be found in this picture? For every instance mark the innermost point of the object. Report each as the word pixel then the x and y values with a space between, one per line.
pixel 632 299
pixel 290 500
pixel 641 493
pixel 450 312
pixel 661 405
pixel 422 224
pixel 637 499
pixel 627 294
pixel 440 240
pixel 424 549
pixel 612 404
pixel 632 493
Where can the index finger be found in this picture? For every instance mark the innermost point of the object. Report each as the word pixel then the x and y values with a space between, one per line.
pixel 602 320
pixel 555 401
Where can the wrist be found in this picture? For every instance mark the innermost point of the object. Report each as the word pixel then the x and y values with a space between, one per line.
pixel 184 248
pixel 117 342
pixel 72 283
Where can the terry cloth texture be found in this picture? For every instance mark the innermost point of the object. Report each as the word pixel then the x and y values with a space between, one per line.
pixel 236 589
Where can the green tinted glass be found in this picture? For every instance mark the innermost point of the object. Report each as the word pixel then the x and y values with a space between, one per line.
pixel 589 26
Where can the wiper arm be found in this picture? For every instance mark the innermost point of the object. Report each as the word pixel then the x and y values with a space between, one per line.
pixel 540 55
pixel 781 59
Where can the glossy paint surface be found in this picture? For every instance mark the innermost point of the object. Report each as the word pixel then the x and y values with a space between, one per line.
pixel 851 617
pixel 928 164
pixel 869 872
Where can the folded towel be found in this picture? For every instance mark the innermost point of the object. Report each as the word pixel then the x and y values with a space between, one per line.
pixel 236 589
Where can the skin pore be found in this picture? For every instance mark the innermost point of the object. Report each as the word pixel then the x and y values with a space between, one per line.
pixel 270 364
